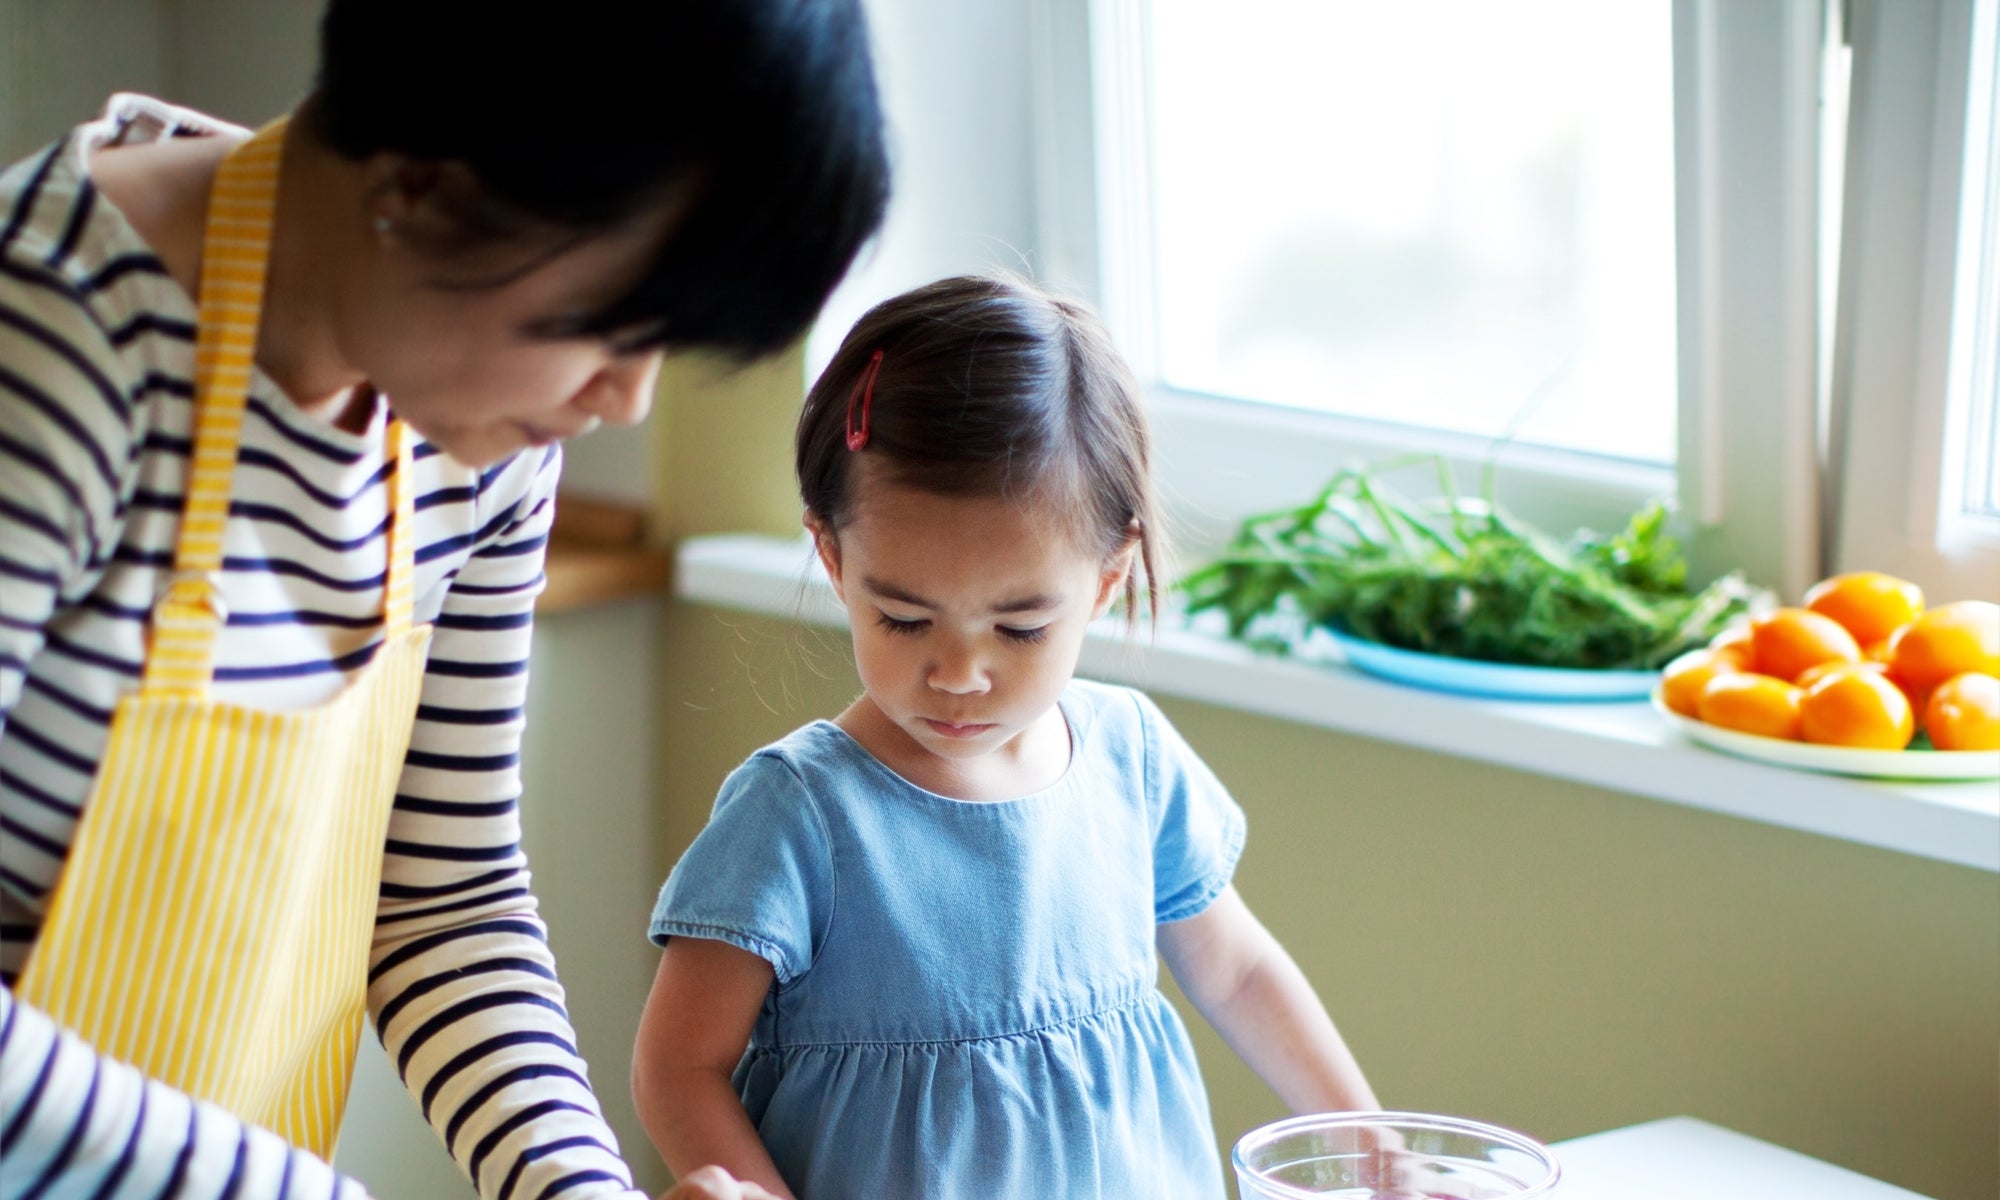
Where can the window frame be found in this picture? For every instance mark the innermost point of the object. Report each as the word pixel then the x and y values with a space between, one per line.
pixel 1219 458
pixel 1910 325
pixel 1752 183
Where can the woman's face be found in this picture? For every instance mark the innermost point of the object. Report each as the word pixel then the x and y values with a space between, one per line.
pixel 463 349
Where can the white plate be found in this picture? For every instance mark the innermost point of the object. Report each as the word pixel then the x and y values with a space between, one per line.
pixel 1504 681
pixel 1838 760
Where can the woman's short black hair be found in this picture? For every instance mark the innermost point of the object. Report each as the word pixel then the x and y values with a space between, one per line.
pixel 582 113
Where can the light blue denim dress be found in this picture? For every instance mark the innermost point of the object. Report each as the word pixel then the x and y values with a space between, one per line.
pixel 966 998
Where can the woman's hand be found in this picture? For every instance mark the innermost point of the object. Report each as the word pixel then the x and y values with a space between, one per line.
pixel 714 1183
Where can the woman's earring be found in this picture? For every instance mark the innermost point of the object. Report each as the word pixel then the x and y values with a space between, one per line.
pixel 382 226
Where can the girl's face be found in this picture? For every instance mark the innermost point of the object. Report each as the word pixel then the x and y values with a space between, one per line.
pixel 968 615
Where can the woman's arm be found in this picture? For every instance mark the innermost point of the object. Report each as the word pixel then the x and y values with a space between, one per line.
pixel 696 1023
pixel 462 983
pixel 71 446
pixel 78 1124
pixel 1255 996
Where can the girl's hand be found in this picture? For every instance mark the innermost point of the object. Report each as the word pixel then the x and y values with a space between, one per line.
pixel 1255 996
pixel 1391 1169
pixel 714 1183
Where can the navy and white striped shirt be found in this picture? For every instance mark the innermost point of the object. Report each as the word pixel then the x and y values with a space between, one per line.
pixel 96 409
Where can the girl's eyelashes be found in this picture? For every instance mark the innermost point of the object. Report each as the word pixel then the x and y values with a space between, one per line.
pixel 917 625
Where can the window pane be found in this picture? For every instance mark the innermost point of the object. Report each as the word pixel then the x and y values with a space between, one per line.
pixel 1428 211
pixel 1979 260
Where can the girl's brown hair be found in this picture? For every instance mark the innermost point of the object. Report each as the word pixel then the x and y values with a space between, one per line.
pixel 990 386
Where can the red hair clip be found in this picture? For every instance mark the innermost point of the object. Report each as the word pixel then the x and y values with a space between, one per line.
pixel 864 390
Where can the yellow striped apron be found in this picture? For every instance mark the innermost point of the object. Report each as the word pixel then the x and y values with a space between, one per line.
pixel 212 921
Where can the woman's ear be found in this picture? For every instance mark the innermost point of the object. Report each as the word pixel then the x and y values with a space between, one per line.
pixel 828 548
pixel 400 193
pixel 1111 583
pixel 431 205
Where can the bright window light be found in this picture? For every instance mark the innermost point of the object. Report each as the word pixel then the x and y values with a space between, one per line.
pixel 1976 373
pixel 1445 213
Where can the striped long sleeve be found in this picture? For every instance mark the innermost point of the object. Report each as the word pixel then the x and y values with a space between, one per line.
pixel 72 1123
pixel 96 408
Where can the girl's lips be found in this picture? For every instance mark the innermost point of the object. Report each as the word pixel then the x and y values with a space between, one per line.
pixel 947 729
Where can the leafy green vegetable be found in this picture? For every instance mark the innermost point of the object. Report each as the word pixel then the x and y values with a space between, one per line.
pixel 1462 578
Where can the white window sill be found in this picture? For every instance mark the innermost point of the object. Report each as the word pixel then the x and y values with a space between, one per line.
pixel 1620 746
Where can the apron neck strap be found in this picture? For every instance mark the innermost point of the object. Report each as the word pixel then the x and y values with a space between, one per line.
pixel 236 253
pixel 399 597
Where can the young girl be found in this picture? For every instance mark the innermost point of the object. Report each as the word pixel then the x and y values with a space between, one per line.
pixel 933 919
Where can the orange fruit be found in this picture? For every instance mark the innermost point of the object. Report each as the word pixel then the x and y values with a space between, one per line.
pixel 1735 642
pixel 1853 706
pixel 1948 640
pixel 1868 604
pixel 1681 680
pixel 1789 641
pixel 1964 713
pixel 1812 675
pixel 1752 703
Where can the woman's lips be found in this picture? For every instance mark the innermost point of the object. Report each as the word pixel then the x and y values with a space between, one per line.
pixel 947 729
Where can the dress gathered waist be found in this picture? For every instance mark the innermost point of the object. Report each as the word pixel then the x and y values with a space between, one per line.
pixel 1139 996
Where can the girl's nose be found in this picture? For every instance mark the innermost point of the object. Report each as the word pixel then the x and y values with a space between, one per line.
pixel 958 671
pixel 622 393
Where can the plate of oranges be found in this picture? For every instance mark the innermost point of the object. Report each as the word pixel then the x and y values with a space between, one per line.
pixel 1861 678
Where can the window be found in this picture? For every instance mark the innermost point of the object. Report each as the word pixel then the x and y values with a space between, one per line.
pixel 1438 214
pixel 1973 478
pixel 1612 240
pixel 1971 494
pixel 1911 445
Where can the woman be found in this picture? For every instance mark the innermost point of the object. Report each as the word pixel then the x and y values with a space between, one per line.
pixel 279 419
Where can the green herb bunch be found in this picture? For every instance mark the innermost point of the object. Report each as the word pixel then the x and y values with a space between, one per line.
pixel 1462 578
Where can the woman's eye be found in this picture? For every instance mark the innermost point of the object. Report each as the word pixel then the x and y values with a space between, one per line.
pixel 894 626
pixel 568 327
pixel 1024 635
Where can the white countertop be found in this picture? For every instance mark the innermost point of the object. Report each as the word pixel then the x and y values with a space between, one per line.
pixel 1682 1158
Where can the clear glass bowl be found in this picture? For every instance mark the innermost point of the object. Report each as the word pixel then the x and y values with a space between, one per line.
pixel 1390 1156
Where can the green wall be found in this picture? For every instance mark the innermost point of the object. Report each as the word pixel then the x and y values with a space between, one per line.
pixel 1554 957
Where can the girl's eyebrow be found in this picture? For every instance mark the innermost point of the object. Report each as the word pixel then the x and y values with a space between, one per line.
pixel 889 591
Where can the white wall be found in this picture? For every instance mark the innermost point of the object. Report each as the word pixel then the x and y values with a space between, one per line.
pixel 955 80
pixel 246 60
pixel 243 60
pixel 59 59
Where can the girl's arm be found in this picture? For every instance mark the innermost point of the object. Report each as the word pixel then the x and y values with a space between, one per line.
pixel 697 1021
pixel 1256 997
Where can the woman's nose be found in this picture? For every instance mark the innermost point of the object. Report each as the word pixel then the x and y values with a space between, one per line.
pixel 622 393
